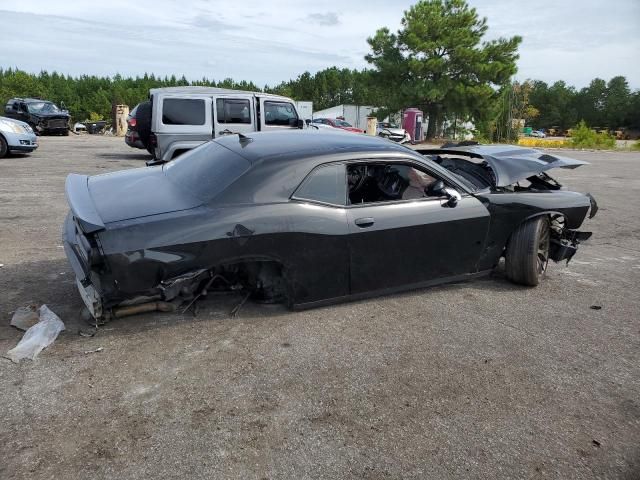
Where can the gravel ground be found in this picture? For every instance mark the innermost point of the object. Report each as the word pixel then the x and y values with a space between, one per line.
pixel 481 379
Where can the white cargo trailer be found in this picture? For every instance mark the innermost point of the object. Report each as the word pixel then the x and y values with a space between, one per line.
pixel 305 110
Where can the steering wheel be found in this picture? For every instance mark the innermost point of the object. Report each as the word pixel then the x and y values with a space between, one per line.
pixel 390 182
pixel 356 177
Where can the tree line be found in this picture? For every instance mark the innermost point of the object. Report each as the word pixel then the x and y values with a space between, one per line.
pixel 437 61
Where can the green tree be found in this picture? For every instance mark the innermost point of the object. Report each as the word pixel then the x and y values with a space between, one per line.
pixel 439 61
pixel 617 102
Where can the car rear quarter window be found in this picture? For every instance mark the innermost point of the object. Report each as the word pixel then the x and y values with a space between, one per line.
pixel 325 184
pixel 207 170
pixel 183 111
pixel 280 113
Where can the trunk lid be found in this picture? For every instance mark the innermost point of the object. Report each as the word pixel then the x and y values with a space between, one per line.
pixel 98 200
pixel 136 193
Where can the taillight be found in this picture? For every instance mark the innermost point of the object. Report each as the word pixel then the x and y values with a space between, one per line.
pixel 132 122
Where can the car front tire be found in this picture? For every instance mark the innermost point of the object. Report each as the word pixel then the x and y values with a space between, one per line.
pixel 4 148
pixel 527 254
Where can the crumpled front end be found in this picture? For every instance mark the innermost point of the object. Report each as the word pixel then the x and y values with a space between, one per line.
pixel 564 243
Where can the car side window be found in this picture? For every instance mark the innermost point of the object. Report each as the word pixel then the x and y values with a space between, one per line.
pixel 233 110
pixel 325 184
pixel 183 111
pixel 388 182
pixel 280 113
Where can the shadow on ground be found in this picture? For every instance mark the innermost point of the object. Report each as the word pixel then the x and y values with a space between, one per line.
pixel 125 156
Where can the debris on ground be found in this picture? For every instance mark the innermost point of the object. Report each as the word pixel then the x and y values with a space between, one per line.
pixel 38 337
pixel 88 333
pixel 596 307
pixel 99 349
pixel 25 317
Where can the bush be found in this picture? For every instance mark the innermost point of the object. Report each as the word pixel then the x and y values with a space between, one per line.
pixel 544 143
pixel 583 137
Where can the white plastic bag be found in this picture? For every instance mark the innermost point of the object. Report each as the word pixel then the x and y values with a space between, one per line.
pixel 40 336
pixel 25 317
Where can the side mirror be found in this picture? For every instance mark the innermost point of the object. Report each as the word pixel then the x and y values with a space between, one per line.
pixel 299 123
pixel 439 189
pixel 436 189
pixel 308 121
pixel 453 197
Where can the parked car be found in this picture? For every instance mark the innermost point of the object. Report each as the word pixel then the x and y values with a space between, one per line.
pixel 131 137
pixel 337 123
pixel 16 136
pixel 43 116
pixel 538 134
pixel 392 132
pixel 313 217
pixel 182 118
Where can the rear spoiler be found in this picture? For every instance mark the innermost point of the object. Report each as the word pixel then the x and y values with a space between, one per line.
pixel 77 190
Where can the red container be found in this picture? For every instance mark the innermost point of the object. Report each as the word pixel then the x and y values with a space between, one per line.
pixel 412 123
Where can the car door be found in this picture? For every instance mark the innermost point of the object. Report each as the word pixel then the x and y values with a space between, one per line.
pixel 234 114
pixel 399 241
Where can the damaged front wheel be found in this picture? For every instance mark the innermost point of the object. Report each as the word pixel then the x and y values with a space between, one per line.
pixel 527 255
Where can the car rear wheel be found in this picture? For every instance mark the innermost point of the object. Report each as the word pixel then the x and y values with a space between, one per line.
pixel 527 255
pixel 4 148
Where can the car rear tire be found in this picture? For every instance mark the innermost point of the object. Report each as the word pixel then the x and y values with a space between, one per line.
pixel 527 253
pixel 4 148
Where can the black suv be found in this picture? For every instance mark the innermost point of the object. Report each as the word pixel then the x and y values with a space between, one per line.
pixel 42 115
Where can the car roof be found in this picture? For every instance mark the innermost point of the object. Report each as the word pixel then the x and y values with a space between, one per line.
pixel 29 100
pixel 196 90
pixel 294 144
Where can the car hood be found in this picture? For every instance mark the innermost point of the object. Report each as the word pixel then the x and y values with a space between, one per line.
pixel 137 193
pixel 51 115
pixel 17 122
pixel 394 131
pixel 510 164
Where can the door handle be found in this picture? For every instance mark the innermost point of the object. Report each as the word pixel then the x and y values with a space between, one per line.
pixel 364 222
pixel 226 131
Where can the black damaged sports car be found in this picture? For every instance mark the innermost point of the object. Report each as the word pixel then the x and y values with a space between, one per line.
pixel 313 217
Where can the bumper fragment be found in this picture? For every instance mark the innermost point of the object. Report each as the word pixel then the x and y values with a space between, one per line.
pixel 565 247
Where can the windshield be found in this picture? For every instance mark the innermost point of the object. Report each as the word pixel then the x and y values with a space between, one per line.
pixel 387 125
pixel 42 107
pixel 206 170
pixel 341 123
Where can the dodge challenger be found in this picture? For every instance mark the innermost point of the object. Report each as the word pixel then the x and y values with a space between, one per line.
pixel 312 217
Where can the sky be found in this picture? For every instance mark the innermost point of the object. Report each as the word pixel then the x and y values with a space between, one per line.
pixel 270 41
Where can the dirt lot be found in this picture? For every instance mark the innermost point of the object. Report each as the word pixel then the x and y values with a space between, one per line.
pixel 481 379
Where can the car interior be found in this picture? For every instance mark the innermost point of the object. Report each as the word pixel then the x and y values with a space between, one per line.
pixel 370 183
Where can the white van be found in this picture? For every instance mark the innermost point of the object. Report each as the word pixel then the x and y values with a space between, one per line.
pixel 184 117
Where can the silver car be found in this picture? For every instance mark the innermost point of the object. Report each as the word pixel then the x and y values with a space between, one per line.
pixel 16 136
pixel 392 132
